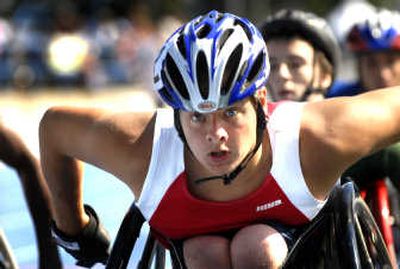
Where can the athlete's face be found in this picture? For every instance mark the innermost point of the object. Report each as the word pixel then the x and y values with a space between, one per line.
pixel 220 140
pixel 379 70
pixel 292 64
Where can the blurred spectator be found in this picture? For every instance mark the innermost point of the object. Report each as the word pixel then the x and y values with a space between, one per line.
pixel 102 66
pixel 6 35
pixel 137 47
pixel 26 52
pixel 68 46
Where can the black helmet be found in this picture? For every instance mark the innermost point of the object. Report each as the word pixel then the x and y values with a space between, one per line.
pixel 314 29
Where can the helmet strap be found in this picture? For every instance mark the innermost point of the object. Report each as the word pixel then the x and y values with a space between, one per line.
pixel 178 127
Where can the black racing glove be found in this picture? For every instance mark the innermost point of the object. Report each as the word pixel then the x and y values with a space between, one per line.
pixel 90 246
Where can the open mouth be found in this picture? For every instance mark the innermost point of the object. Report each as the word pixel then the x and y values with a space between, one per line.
pixel 219 155
pixel 286 93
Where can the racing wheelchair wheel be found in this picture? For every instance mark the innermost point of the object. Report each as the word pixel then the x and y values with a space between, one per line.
pixel 342 235
pixel 362 237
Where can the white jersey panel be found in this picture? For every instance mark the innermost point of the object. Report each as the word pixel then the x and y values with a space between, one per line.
pixel 284 130
pixel 166 162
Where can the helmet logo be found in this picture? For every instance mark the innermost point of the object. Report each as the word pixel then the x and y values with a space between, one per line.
pixel 207 106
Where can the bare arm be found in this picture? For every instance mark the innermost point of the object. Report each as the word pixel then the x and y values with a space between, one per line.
pixel 117 143
pixel 337 132
pixel 15 154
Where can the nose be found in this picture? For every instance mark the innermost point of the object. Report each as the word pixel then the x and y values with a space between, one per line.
pixel 385 75
pixel 216 131
pixel 282 70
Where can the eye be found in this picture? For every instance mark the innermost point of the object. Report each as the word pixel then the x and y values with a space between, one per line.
pixel 197 117
pixel 231 112
pixel 294 64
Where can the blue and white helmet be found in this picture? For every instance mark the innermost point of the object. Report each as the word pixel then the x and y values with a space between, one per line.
pixel 378 33
pixel 211 62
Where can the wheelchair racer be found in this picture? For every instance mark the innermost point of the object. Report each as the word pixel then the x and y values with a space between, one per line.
pixel 376 44
pixel 304 55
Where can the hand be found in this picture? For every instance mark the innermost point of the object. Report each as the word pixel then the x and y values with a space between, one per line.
pixel 90 246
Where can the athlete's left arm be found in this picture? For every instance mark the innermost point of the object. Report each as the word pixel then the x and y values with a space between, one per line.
pixel 337 132
pixel 16 154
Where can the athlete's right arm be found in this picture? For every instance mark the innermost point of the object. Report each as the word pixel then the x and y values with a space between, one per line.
pixel 119 143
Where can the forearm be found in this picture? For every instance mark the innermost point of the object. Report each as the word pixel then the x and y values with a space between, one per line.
pixel 384 115
pixel 65 184
pixel 37 197
pixel 358 126
pixel 64 178
pixel 15 154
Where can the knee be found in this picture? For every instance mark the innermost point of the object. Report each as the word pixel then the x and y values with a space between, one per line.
pixel 258 246
pixel 207 252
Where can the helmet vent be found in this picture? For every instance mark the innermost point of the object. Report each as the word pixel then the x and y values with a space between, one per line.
pixel 175 77
pixel 197 21
pixel 181 45
pixel 202 75
pixel 231 67
pixel 203 31
pixel 164 93
pixel 219 17
pixel 245 29
pixel 223 38
pixel 256 68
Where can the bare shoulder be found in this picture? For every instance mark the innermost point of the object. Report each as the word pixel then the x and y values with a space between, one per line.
pixel 336 132
pixel 118 142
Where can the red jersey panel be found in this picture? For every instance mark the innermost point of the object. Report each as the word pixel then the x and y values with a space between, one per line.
pixel 181 215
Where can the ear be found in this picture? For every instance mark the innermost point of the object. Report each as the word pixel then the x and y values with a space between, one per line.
pixel 322 79
pixel 326 80
pixel 261 95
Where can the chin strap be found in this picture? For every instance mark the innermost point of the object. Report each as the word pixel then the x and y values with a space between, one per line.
pixel 261 125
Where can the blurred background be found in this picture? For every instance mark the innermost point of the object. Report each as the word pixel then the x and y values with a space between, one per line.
pixel 100 53
pixel 95 44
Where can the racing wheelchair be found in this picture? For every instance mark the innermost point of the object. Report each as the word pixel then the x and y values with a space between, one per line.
pixel 342 235
pixel 383 200
pixel 7 259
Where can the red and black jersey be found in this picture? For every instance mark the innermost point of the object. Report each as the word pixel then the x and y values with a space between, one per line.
pixel 284 197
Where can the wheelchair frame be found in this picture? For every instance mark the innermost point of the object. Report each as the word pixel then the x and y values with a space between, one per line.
pixel 7 259
pixel 376 195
